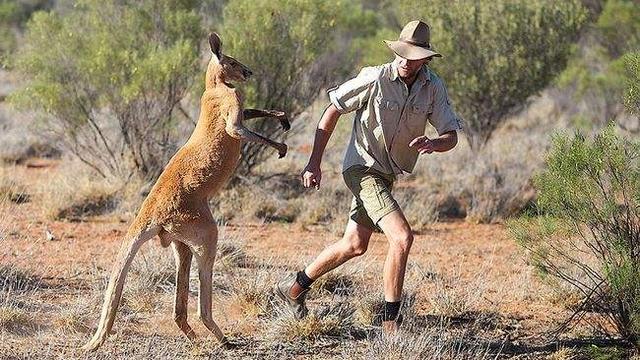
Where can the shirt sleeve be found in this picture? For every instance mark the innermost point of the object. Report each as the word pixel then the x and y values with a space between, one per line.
pixel 354 93
pixel 443 119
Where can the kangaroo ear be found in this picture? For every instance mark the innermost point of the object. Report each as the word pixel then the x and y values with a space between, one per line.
pixel 216 44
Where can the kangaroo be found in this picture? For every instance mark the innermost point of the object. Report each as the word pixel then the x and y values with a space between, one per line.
pixel 177 209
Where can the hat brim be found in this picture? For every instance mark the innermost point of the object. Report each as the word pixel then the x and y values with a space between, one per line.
pixel 410 51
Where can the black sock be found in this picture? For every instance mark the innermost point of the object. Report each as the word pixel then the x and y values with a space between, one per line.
pixel 304 280
pixel 391 310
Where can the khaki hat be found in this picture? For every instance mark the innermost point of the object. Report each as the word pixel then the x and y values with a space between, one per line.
pixel 413 43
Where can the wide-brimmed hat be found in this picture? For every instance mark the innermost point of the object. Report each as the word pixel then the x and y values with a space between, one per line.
pixel 413 43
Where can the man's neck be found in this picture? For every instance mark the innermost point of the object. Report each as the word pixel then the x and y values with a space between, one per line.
pixel 410 80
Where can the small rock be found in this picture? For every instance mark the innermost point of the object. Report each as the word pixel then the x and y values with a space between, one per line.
pixel 49 235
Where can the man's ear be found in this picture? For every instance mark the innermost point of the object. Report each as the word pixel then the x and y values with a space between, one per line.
pixel 216 45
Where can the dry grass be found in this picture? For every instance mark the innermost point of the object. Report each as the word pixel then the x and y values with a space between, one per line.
pixel 419 207
pixel 231 252
pixel 13 318
pixel 564 354
pixel 10 187
pixel 332 320
pixel 153 270
pixel 253 202
pixel 342 281
pixel 151 276
pixel 76 193
pixel 20 137
pixel 454 296
pixel 434 343
pixel 16 286
pixel 251 291
pixel 75 197
pixel 74 318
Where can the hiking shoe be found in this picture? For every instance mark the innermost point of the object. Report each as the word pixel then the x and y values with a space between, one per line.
pixel 296 306
pixel 391 327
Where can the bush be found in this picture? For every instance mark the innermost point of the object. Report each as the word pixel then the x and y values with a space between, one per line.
pixel 632 96
pixel 13 15
pixel 594 80
pixel 588 232
pixel 619 26
pixel 496 53
pixel 109 77
pixel 295 49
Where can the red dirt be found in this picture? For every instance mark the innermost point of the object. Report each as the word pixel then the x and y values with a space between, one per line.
pixel 477 253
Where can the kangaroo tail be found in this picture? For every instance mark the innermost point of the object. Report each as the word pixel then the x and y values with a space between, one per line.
pixel 116 282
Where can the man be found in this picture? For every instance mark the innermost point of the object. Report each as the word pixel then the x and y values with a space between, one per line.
pixel 393 103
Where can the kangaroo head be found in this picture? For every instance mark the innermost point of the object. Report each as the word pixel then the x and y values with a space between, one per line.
pixel 226 68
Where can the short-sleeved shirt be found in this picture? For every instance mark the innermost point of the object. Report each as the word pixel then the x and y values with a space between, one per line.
pixel 389 115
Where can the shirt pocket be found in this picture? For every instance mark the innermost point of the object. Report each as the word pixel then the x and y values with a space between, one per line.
pixel 387 105
pixel 417 118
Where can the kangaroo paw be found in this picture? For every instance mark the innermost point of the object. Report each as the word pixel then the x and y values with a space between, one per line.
pixel 282 150
pixel 286 126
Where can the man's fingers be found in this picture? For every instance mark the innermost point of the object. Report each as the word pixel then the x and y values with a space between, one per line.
pixel 316 183
pixel 309 180
pixel 417 140
pixel 414 142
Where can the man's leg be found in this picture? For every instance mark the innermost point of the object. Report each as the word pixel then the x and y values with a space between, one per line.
pixel 293 289
pixel 398 233
pixel 354 243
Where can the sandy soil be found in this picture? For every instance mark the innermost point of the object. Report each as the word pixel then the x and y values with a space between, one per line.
pixel 482 260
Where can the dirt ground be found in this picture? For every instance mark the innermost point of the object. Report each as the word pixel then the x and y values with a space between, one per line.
pixel 473 277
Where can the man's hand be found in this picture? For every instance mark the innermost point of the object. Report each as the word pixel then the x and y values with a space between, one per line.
pixel 311 176
pixel 423 144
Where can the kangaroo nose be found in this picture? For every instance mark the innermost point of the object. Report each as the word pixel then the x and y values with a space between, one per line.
pixel 248 73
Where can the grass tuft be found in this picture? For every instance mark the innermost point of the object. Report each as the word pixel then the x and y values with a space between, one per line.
pixel 252 291
pixel 334 320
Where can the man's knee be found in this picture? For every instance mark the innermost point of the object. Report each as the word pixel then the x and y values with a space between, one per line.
pixel 356 246
pixel 401 241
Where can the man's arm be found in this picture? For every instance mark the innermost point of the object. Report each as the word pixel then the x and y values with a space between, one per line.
pixel 445 142
pixel 311 175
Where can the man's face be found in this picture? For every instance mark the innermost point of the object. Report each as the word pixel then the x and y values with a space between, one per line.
pixel 409 68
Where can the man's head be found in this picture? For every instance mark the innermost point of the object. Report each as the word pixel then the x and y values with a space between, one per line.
pixel 408 69
pixel 413 42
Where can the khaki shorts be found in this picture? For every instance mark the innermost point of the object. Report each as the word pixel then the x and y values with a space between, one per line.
pixel 372 198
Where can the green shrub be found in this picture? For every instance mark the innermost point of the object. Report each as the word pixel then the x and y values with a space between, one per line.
pixel 632 96
pixel 595 75
pixel 496 53
pixel 588 235
pixel 296 48
pixel 109 75
pixel 619 26
pixel 13 15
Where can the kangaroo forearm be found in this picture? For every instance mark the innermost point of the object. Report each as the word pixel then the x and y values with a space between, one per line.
pixel 255 113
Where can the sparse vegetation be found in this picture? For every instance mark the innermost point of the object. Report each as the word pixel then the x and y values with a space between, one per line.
pixel 333 320
pixel 523 43
pixel 11 189
pixel 309 34
pixel 435 343
pixel 252 293
pixel 586 234
pixel 115 103
pixel 116 85
pixel 77 197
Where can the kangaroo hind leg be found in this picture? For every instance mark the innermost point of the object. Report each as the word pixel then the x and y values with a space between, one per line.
pixel 183 258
